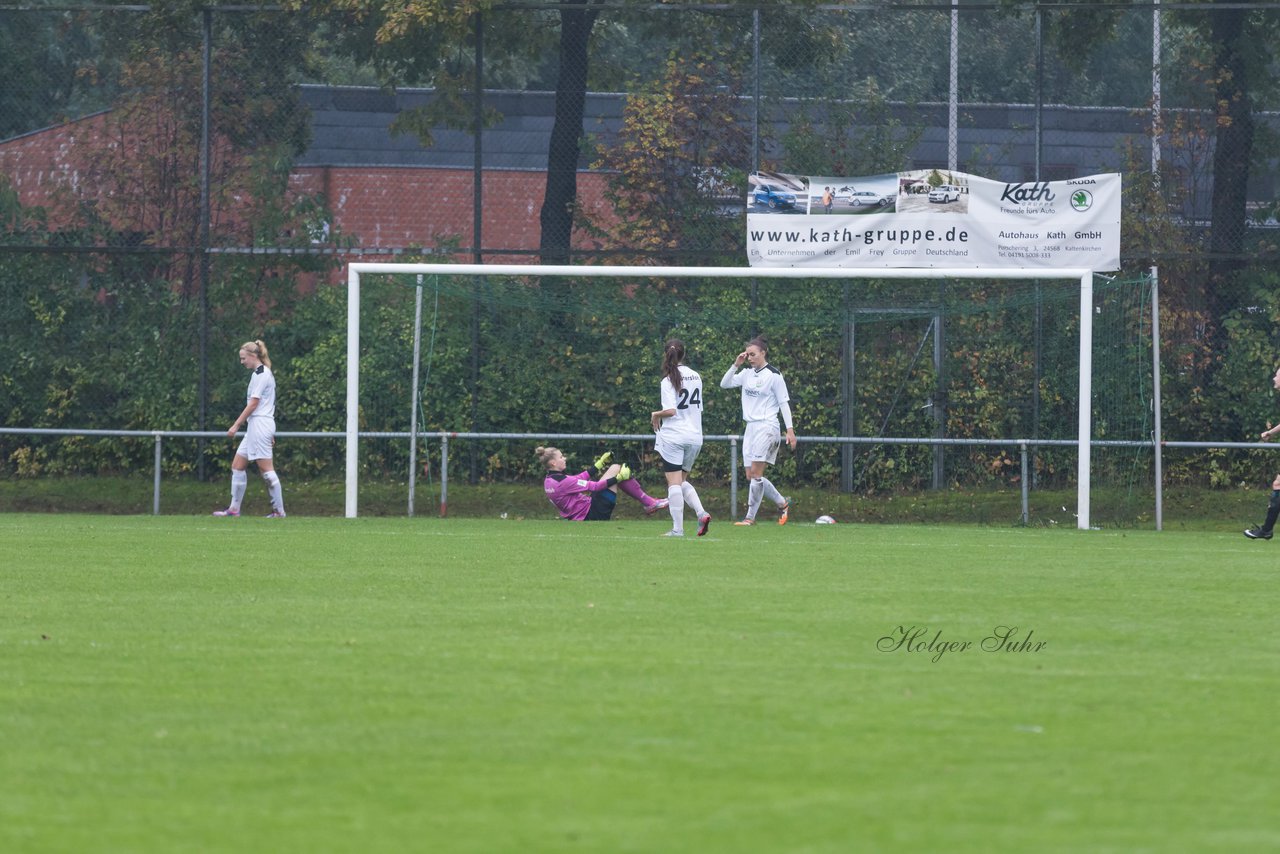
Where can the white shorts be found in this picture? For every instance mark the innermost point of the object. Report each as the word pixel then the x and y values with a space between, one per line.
pixel 259 436
pixel 760 442
pixel 677 453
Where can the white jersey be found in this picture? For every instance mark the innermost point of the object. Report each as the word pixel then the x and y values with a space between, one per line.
pixel 262 385
pixel 764 393
pixel 686 425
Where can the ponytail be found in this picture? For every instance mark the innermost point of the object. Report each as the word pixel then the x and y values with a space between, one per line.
pixel 258 349
pixel 672 356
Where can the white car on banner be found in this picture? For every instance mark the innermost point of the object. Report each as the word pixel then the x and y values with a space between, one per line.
pixel 860 198
pixel 944 193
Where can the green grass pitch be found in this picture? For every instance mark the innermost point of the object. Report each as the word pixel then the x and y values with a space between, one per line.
pixel 191 684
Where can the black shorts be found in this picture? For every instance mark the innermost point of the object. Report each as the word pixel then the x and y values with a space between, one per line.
pixel 602 504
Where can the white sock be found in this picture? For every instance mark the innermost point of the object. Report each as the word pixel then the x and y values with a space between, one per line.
pixel 676 498
pixel 771 492
pixel 274 490
pixel 691 499
pixel 754 493
pixel 239 481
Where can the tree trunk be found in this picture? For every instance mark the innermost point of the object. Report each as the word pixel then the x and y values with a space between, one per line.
pixel 566 133
pixel 1232 154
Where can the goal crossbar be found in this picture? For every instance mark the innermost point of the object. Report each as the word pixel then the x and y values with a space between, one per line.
pixel 1081 275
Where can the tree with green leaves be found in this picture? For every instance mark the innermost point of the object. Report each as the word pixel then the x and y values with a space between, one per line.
pixel 138 168
pixel 671 166
pixel 1237 69
pixel 44 73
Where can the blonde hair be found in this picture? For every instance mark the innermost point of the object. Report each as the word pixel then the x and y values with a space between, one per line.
pixel 545 454
pixel 258 349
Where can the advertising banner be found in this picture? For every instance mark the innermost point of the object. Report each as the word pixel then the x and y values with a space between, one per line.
pixel 932 218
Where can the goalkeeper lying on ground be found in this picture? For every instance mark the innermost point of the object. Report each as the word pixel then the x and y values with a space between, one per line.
pixel 582 499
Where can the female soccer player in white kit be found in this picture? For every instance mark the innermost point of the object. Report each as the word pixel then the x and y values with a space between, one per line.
pixel 679 427
pixel 764 397
pixel 259 418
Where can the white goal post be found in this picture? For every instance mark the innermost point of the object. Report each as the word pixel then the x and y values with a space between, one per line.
pixel 1083 276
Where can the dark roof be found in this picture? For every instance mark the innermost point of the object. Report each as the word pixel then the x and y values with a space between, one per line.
pixel 351 128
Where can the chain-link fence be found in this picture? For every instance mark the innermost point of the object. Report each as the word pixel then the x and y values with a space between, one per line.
pixel 173 182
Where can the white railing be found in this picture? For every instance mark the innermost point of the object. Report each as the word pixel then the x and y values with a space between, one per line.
pixel 1024 446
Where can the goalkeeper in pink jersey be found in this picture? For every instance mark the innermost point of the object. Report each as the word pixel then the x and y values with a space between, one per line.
pixel 582 499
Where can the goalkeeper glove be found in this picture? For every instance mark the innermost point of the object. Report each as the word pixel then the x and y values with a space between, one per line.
pixel 624 473
pixel 603 460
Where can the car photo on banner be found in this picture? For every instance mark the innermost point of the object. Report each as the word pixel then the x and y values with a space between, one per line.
pixel 933 191
pixel 944 193
pixel 776 193
pixel 773 197
pixel 877 194
pixel 859 198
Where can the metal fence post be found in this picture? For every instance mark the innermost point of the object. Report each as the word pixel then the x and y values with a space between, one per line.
pixel 444 475
pixel 155 491
pixel 1026 515
pixel 733 478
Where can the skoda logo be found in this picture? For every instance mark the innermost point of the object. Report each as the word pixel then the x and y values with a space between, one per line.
pixel 1081 200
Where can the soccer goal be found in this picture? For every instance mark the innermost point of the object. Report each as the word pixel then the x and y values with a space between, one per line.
pixel 1068 277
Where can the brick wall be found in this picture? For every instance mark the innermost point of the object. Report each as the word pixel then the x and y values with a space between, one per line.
pixel 403 207
pixel 37 163
pixel 380 208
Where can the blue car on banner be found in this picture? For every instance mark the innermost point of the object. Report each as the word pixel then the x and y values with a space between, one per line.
pixel 774 197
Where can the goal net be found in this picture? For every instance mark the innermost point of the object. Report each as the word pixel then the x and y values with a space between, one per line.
pixel 902 381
